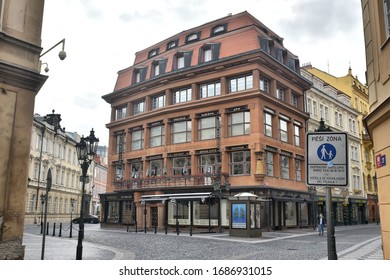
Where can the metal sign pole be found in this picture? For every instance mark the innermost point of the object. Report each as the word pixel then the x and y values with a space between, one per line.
pixel 332 255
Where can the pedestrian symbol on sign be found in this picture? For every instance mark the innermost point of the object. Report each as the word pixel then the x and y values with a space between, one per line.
pixel 326 152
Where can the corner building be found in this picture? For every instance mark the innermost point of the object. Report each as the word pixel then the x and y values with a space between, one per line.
pixel 208 113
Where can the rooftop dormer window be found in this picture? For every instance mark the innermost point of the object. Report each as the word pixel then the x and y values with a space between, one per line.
pixel 153 52
pixel 219 29
pixel 193 37
pixel 172 44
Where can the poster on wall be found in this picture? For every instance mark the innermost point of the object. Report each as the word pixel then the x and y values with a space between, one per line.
pixel 239 215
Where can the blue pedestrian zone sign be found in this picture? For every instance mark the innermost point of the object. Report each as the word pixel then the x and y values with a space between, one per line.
pixel 327 159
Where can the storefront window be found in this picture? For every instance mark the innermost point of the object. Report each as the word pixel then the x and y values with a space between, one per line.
pixel 113 212
pixel 290 214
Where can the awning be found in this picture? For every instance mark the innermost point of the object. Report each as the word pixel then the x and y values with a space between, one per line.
pixel 175 196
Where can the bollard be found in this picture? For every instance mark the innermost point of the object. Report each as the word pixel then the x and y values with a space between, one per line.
pixel 54 229
pixel 155 228
pixel 41 227
pixel 59 235
pixel 70 230
pixel 136 228
pixel 47 228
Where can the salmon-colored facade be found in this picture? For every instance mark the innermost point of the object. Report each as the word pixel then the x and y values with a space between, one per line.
pixel 201 116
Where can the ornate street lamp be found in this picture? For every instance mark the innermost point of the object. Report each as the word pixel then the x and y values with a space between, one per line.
pixel 86 151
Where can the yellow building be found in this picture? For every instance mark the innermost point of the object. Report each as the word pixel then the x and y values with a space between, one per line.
pixel 376 24
pixel 358 93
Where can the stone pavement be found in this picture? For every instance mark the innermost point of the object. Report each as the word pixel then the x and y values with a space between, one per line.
pixel 65 248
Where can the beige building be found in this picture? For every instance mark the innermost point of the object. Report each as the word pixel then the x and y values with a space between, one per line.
pixel 55 149
pixel 376 24
pixel 20 48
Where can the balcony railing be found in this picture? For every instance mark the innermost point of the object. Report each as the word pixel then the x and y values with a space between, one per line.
pixel 202 180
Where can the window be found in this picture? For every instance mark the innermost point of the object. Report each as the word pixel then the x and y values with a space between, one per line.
pixel 137 140
pixel 209 52
pixel 172 44
pixel 138 107
pixel 118 172
pixel 136 169
pixel 241 83
pixel 352 125
pixel 120 143
pixel 193 37
pixel 239 123
pixel 324 112
pixel 139 75
pixel 181 132
pixel 240 163
pixel 181 166
pixel 159 67
pixel 354 152
pixel 155 168
pixel 270 163
pixel 210 89
pixel 284 167
pixel 36 170
pixel 355 179
pixel 153 52
pixel 280 93
pixel 338 119
pixel 298 170
pixel 182 60
pixel 268 124
pixel 158 101
pixel 157 136
pixel 297 141
pixel 219 29
pixel 182 95
pixel 386 9
pixel 283 130
pixel 309 108
pixel 294 100
pixel 315 108
pixel 266 44
pixel 264 85
pixel 207 128
pixel 209 164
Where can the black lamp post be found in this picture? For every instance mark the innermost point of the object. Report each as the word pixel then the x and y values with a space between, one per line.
pixel 42 202
pixel 71 216
pixel 86 151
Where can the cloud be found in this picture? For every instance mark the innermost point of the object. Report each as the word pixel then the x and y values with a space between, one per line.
pixel 317 19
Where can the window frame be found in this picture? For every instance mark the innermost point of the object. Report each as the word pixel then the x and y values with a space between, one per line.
pixel 156 102
pixel 137 108
pixel 212 128
pixel 160 136
pixel 178 94
pixel 216 89
pixel 248 82
pixel 246 123
pixel 245 163
pixel 137 143
pixel 187 131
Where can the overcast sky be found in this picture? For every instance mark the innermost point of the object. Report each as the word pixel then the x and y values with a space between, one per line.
pixel 103 36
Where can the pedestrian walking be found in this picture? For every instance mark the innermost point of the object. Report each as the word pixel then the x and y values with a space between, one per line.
pixel 321 224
